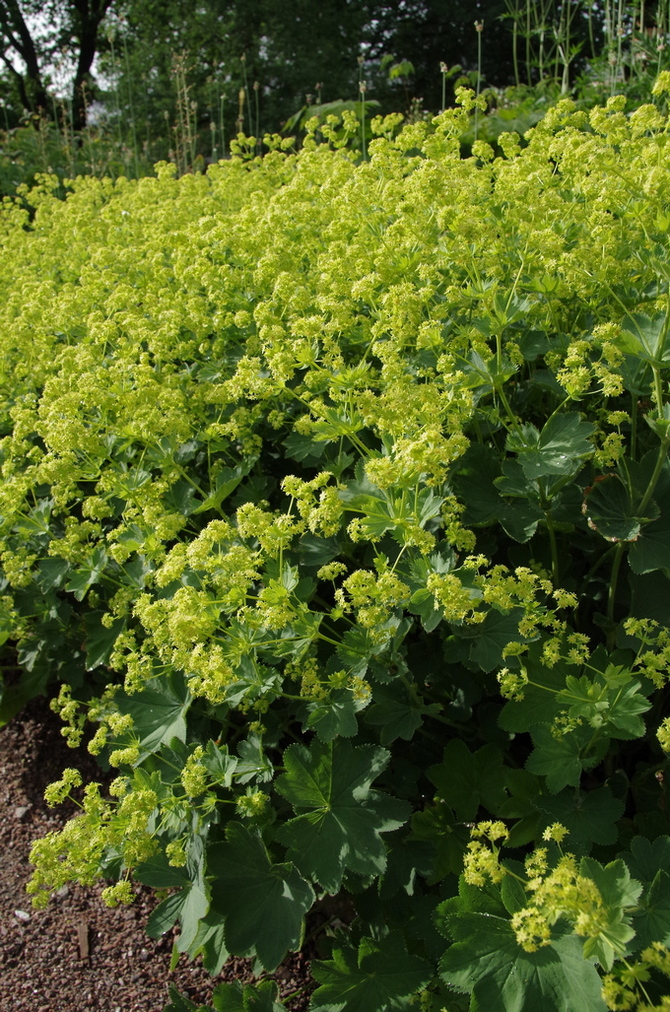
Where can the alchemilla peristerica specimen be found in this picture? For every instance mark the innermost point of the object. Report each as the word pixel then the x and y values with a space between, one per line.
pixel 336 514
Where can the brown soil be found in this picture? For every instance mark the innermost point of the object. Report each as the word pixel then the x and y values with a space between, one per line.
pixel 78 954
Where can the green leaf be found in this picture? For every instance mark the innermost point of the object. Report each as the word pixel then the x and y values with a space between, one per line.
pixel 611 700
pixel 52 572
pixel 264 903
pixel 88 574
pixel 189 904
pixel 335 716
pixel 397 711
pixel 652 549
pixel 649 863
pixel 645 338
pixel 437 825
pixel 253 764
pixel 380 977
pixel 316 552
pixel 227 481
pixel 620 893
pixel 473 479
pixel 159 713
pixel 589 817
pixel 466 780
pixel 209 943
pixel 488 962
pixel 182 1003
pixel 609 511
pixel 238 997
pixel 538 705
pixel 14 697
pixel 560 448
pixel 562 759
pixel 492 636
pixel 512 892
pixel 100 639
pixel 343 818
pixel 219 764
pixel 645 859
pixel 300 447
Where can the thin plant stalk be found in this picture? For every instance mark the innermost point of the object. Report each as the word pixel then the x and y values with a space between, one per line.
pixel 243 59
pixel 130 106
pixel 515 42
pixel 257 132
pixel 362 91
pixel 479 27
pixel 528 53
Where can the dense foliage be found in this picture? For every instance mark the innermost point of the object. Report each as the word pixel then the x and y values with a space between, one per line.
pixel 335 494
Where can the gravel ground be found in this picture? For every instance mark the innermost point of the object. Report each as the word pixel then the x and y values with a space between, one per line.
pixel 78 954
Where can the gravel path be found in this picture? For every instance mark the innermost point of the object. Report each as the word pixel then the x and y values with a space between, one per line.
pixel 78 954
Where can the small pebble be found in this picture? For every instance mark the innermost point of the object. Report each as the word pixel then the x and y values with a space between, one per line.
pixel 22 915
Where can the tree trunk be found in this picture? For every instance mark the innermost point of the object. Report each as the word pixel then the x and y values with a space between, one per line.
pixel 89 16
pixel 32 91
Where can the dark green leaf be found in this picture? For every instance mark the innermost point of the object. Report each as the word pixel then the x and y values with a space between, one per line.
pixel 492 636
pixel 562 758
pixel 189 904
pixel 343 818
pixel 380 977
pixel 589 817
pixel 335 716
pixel 100 639
pixel 238 997
pixel 264 903
pixel 560 448
pixel 397 711
pixel 649 863
pixel 466 780
pixel 159 713
pixel 488 962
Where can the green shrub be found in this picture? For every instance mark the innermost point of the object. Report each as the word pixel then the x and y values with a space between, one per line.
pixel 336 496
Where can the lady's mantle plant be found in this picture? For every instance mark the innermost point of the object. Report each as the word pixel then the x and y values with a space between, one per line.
pixel 336 497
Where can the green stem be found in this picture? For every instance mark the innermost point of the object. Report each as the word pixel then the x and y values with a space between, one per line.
pixel 554 548
pixel 660 461
pixel 616 565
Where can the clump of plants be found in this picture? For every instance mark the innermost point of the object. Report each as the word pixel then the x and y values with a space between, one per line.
pixel 335 496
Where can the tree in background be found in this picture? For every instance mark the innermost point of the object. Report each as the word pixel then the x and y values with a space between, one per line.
pixel 40 35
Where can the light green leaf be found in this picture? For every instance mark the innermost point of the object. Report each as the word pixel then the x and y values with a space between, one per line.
pixel 264 903
pixel 380 977
pixel 227 481
pixel 341 817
